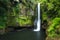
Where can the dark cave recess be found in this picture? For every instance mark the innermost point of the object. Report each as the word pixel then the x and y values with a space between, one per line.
pixel 17 28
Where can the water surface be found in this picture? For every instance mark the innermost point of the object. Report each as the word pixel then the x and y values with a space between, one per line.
pixel 24 35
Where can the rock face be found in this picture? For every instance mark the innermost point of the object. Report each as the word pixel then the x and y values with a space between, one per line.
pixel 2 31
pixel 45 24
pixel 18 28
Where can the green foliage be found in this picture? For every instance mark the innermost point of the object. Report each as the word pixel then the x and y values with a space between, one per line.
pixel 3 17
pixel 24 21
pixel 50 10
pixel 7 13
pixel 11 12
pixel 27 9
pixel 52 30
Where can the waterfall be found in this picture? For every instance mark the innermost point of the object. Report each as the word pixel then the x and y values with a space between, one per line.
pixel 38 21
pixel 16 0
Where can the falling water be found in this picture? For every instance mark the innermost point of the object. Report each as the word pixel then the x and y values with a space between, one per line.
pixel 16 0
pixel 38 21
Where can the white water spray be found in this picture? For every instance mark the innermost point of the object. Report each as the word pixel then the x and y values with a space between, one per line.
pixel 38 21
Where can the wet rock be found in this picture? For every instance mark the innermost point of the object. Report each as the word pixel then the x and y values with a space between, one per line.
pixel 2 31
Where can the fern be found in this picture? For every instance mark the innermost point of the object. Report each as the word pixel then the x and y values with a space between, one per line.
pixel 53 26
